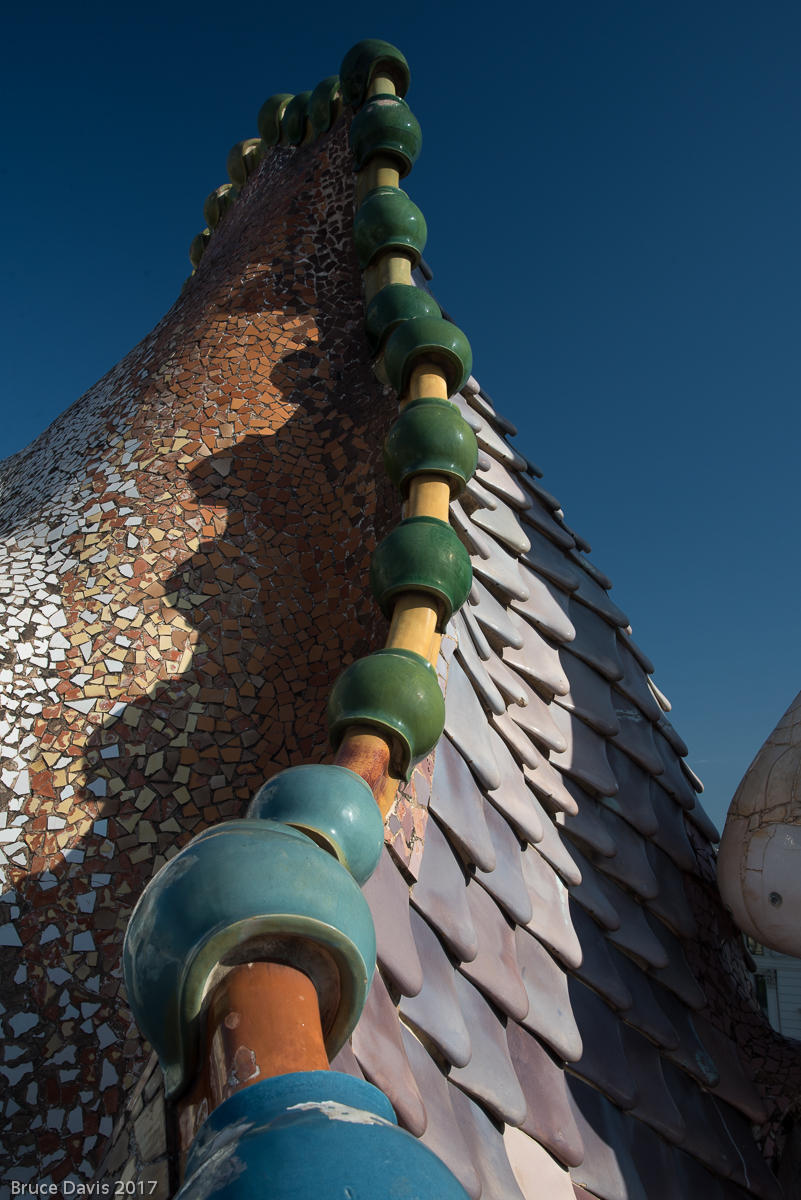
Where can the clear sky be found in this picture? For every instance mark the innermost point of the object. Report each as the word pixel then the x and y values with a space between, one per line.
pixel 613 195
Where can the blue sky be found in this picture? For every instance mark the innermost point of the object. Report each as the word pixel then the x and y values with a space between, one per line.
pixel 613 195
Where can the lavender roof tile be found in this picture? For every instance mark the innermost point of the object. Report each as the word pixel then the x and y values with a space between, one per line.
pixel 591 895
pixel 550 920
pixel 670 903
pixel 645 1012
pixel 443 1133
pixel 489 1076
pixel 494 970
pixel 670 834
pixel 546 559
pixel 595 641
pixel 535 718
pixel 516 739
pixel 493 616
pixel 511 796
pixel 539 516
pixel 483 648
pixel 440 894
pixel 474 668
pixel 435 1010
pixel 549 1013
pixel 734 1086
pixel 677 976
pixel 536 1172
pixel 500 571
pixel 549 1117
pixel 503 523
pixel 654 1104
pixel 635 934
pixel 634 682
pixel 608 1170
pixel 629 865
pixel 379 1051
pixel 505 882
pixel 502 482
pixel 556 850
pixel 466 726
pixel 546 606
pixel 550 785
pixel 633 800
pixel 585 758
pixel 635 736
pixel 388 897
pixel 597 967
pixel 536 660
pixel 603 1062
pixel 590 695
pixel 486 1148
pixel 474 540
pixel 586 828
pixel 457 801
pixel 595 597
pixel 674 781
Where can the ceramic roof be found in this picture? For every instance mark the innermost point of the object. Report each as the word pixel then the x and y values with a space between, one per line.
pixel 562 1006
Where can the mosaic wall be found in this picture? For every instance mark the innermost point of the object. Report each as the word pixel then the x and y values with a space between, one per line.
pixel 183 567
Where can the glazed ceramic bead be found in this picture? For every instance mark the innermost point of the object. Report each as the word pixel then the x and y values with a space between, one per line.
pixel 431 436
pixel 422 554
pixel 330 804
pixel 433 339
pixel 386 125
pixel 396 692
pixel 367 59
pixel 240 884
pixel 388 220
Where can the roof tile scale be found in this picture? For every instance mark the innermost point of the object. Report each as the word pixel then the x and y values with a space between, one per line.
pixel 559 1001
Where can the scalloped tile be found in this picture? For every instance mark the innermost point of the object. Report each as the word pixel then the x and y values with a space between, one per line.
pixel 503 523
pixel 492 615
pixel 388 897
pixel 547 559
pixel 603 1063
pixel 466 726
pixel 505 882
pixel 536 659
pixel 585 757
pixel 435 1009
pixel 597 967
pixel 595 641
pixel 379 1051
pixel 440 894
pixel 550 920
pixel 545 607
pixel 549 1118
pixel 534 717
pixel 512 797
pixel 534 1170
pixel 655 1105
pixel 494 969
pixel 589 695
pixel 443 1134
pixel 457 801
pixel 608 1169
pixel 489 1075
pixel 487 1149
pixel 549 1013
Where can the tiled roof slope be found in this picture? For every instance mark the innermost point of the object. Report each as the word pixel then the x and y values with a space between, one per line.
pixel 562 1007
pixel 565 1005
